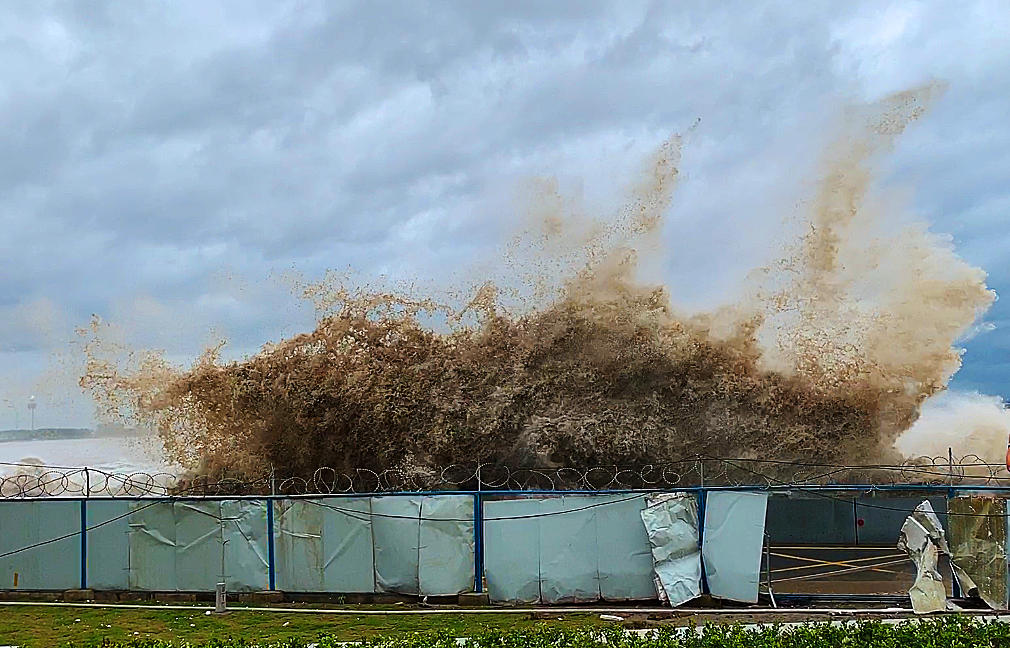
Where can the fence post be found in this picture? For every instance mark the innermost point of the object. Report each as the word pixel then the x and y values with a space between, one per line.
pixel 271 564
pixel 955 588
pixel 478 542
pixel 701 537
pixel 84 544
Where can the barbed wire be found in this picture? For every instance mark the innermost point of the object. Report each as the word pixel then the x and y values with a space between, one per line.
pixel 32 481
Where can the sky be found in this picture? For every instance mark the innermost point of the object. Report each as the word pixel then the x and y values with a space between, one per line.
pixel 166 165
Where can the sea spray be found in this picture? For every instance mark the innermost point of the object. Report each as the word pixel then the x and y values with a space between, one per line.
pixel 574 361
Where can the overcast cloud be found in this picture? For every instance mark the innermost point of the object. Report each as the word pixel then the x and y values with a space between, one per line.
pixel 159 161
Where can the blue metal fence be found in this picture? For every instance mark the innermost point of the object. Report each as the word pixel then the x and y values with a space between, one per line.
pixel 857 514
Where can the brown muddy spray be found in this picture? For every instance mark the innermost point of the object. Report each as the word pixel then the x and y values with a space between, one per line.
pixel 830 360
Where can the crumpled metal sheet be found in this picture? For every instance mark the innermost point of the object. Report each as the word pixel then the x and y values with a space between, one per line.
pixel 732 544
pixel 671 522
pixel 978 537
pixel 396 524
pixel 246 546
pixel 191 545
pixel 922 538
pixel 152 546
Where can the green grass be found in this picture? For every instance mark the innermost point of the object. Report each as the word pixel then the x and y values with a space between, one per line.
pixel 46 627
pixel 36 627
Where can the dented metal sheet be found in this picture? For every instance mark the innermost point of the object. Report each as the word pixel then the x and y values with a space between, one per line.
pixel 324 545
pixel 671 522
pixel 978 537
pixel 732 543
pixel 446 546
pixel 298 546
pixel 191 545
pixel 199 546
pixel 152 546
pixel 396 526
pixel 922 538
pixel 246 552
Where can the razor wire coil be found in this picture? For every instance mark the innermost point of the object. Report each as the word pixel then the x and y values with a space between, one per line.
pixel 32 481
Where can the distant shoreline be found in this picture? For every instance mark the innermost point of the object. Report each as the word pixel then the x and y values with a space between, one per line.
pixel 51 434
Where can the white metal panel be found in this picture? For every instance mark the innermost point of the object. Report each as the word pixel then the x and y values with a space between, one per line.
pixel 512 550
pixel 732 542
pixel 396 526
pixel 446 551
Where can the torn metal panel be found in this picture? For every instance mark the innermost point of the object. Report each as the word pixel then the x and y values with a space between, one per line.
pixel 446 548
pixel 108 544
pixel 978 536
pixel 396 527
pixel 512 550
pixel 671 522
pixel 568 550
pixel 732 544
pixel 298 546
pixel 922 538
pixel 624 558
pixel 246 554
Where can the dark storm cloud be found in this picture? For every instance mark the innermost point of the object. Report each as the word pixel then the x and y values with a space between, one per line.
pixel 149 149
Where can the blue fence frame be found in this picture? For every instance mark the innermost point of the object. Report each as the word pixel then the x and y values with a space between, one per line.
pixel 479 497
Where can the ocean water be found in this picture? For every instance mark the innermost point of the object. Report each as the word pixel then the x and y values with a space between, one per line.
pixel 108 454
